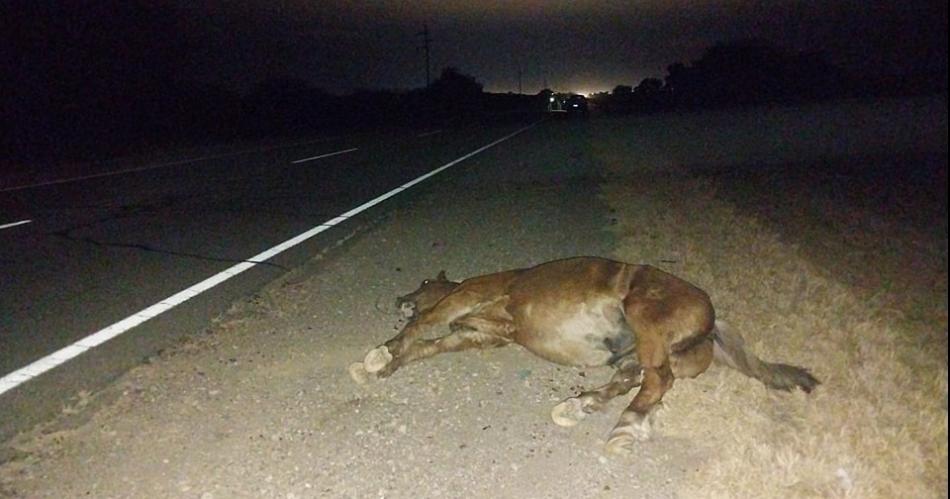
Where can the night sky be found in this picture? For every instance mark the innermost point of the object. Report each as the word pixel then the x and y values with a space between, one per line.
pixel 341 46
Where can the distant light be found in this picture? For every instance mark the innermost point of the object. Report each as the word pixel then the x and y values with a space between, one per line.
pixel 590 90
pixel 552 99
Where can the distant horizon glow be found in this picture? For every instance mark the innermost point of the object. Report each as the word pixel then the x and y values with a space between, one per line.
pixel 584 46
pixel 585 90
pixel 591 90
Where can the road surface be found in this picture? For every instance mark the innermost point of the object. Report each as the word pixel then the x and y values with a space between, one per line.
pixel 85 250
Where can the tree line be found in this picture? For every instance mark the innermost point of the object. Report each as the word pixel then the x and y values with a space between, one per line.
pixel 77 121
pixel 81 117
pixel 755 72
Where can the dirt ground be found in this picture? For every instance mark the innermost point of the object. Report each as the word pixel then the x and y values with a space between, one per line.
pixel 261 405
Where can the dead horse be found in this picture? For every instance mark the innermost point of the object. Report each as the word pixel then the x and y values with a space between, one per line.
pixel 651 326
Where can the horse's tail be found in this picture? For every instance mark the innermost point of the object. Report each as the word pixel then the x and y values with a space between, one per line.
pixel 728 348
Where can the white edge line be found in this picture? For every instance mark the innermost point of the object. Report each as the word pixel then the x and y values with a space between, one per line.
pixel 44 364
pixel 327 155
pixel 14 224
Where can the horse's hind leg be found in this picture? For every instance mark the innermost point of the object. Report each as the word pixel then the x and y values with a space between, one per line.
pixel 634 424
pixel 670 317
pixel 693 360
pixel 653 351
pixel 685 364
pixel 572 410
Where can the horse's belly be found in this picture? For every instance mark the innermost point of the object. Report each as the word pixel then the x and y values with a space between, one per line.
pixel 579 334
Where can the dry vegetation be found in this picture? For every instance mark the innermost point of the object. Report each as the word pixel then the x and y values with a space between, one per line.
pixel 811 273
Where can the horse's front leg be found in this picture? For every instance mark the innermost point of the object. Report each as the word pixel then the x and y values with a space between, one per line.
pixel 389 353
pixel 377 359
pixel 385 359
pixel 484 329
pixel 465 339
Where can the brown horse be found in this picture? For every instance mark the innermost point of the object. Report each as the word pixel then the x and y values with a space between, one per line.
pixel 651 326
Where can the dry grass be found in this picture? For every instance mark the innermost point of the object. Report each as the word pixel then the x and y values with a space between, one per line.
pixel 877 426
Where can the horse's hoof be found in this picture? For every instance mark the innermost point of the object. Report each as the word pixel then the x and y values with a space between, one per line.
pixel 377 359
pixel 568 413
pixel 359 373
pixel 620 444
pixel 623 437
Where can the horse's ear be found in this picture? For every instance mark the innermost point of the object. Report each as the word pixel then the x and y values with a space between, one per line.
pixel 441 276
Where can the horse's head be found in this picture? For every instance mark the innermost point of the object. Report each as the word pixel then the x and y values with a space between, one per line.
pixel 424 298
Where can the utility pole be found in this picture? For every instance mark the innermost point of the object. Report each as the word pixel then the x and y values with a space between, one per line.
pixel 520 88
pixel 425 46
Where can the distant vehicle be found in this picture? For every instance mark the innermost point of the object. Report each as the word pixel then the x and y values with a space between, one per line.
pixel 568 104
pixel 576 104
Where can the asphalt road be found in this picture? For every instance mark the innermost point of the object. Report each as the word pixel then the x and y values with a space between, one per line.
pixel 101 247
